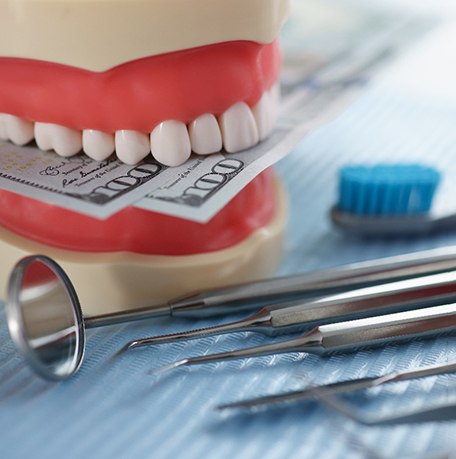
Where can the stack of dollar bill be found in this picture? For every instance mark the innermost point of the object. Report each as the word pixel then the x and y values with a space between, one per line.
pixel 332 50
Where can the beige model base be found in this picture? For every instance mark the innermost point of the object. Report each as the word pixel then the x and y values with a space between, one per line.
pixel 99 35
pixel 117 281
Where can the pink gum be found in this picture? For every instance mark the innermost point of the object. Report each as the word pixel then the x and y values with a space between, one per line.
pixel 140 94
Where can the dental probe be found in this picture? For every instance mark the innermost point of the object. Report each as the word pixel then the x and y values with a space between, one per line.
pixel 292 317
pixel 341 387
pixel 345 336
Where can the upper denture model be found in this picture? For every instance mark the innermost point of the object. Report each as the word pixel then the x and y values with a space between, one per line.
pixel 135 77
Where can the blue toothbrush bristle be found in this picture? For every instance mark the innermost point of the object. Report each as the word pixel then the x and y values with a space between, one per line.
pixel 387 189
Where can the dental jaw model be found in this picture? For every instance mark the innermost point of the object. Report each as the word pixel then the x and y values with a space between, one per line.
pixel 135 78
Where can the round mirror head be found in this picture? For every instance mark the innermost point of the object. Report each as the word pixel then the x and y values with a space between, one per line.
pixel 44 317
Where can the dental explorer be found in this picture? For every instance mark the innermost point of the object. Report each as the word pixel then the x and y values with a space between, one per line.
pixel 345 336
pixel 292 317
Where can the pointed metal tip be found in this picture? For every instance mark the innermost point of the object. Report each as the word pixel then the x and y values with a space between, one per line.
pixel 253 404
pixel 166 368
pixel 132 345
pixel 192 334
pixel 120 352
pixel 125 348
pixel 230 406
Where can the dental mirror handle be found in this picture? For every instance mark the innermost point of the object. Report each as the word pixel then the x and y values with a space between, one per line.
pixel 253 295
pixel 314 284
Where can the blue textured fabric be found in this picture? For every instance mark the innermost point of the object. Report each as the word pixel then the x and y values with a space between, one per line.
pixel 114 409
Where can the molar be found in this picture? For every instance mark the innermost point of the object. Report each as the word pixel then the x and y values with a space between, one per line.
pixel 205 135
pixel 65 141
pixel 131 146
pixel 170 143
pixel 239 129
pixel 97 145
pixel 15 129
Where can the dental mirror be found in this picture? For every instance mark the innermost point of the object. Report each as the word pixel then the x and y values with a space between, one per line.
pixel 45 318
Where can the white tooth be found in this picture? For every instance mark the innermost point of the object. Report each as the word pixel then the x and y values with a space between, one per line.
pixel 65 141
pixel 131 146
pixel 15 129
pixel 98 145
pixel 263 114
pixel 3 134
pixel 275 94
pixel 239 129
pixel 205 135
pixel 170 143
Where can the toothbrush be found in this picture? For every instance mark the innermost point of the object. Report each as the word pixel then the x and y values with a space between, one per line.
pixel 389 200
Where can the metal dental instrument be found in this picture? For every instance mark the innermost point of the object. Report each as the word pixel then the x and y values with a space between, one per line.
pixel 292 317
pixel 439 413
pixel 341 387
pixel 345 336
pixel 252 295
pixel 46 322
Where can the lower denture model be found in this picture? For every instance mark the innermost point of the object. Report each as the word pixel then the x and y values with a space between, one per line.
pixel 136 77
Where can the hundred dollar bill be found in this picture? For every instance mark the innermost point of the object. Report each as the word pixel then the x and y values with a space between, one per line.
pixel 81 184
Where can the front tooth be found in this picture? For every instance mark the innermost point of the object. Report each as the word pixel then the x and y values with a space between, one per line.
pixel 65 141
pixel 15 129
pixel 170 143
pixel 239 129
pixel 264 117
pixel 98 145
pixel 205 135
pixel 131 146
